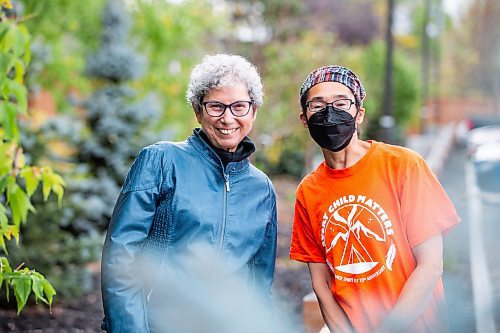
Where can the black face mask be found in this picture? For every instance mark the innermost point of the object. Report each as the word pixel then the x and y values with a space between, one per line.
pixel 331 128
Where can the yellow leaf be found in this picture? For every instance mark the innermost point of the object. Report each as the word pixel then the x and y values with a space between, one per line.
pixel 6 4
pixel 12 231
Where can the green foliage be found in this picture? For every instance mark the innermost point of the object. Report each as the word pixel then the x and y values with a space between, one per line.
pixel 175 37
pixel 68 31
pixel 405 89
pixel 278 123
pixel 18 181
pixel 24 281
pixel 101 144
pixel 282 138
pixel 474 51
pixel 64 258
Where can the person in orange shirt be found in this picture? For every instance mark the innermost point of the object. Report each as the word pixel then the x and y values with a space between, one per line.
pixel 368 220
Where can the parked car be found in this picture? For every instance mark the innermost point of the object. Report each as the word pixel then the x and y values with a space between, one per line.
pixel 483 148
pixel 486 160
pixel 472 122
pixel 480 136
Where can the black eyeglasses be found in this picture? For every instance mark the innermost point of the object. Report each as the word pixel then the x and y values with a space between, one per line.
pixel 217 109
pixel 343 104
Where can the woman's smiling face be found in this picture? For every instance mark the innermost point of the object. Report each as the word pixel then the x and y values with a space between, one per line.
pixel 227 131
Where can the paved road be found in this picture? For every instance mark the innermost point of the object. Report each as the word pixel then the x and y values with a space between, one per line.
pixel 491 227
pixel 487 220
pixel 457 277
pixel 472 252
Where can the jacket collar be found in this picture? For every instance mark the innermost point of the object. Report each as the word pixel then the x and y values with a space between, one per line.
pixel 208 153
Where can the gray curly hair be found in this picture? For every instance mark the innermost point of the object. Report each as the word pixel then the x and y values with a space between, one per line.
pixel 223 70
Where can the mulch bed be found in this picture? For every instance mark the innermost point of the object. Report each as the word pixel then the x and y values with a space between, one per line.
pixel 83 314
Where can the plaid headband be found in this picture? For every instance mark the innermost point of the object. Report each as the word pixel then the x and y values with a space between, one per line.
pixel 334 73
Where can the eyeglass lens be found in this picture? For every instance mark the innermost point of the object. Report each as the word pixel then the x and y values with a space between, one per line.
pixel 217 109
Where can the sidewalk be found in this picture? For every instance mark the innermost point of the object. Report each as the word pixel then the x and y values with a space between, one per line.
pixel 434 146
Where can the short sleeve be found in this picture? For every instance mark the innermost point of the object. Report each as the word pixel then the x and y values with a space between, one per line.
pixel 304 245
pixel 426 208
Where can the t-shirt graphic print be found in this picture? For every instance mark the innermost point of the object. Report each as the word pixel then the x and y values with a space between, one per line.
pixel 351 229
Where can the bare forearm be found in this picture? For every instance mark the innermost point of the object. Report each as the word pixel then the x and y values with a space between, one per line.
pixel 333 314
pixel 418 289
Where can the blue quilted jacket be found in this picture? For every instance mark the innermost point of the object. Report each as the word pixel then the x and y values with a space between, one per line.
pixel 177 195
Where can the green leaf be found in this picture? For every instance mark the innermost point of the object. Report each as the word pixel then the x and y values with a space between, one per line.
pixel 31 208
pixel 19 70
pixel 59 191
pixel 52 182
pixel 4 268
pixel 21 94
pixel 10 125
pixel 19 43
pixel 48 290
pixel 27 49
pixel 4 265
pixel 7 42
pixel 3 179
pixel 4 27
pixel 1 273
pixel 4 66
pixel 4 248
pixel 19 203
pixel 31 179
pixel 3 216
pixel 4 225
pixel 4 88
pixel 22 288
pixel 46 186
pixel 57 179
pixel 5 158
pixel 27 56
pixel 38 287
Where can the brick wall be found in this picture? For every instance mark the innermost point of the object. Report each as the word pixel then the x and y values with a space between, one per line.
pixel 454 110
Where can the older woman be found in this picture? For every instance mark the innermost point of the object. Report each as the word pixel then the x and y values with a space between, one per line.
pixel 197 207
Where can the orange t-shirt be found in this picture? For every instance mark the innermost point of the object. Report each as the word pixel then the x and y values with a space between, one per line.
pixel 363 221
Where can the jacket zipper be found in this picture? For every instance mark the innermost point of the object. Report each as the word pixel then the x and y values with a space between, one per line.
pixel 226 176
pixel 224 218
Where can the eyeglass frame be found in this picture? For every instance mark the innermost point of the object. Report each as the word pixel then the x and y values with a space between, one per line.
pixel 226 106
pixel 331 103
